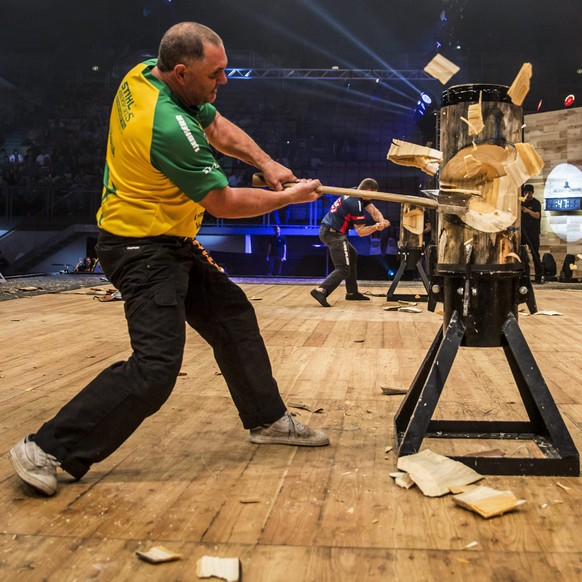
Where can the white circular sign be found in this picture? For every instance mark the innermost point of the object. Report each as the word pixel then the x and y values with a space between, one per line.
pixel 564 181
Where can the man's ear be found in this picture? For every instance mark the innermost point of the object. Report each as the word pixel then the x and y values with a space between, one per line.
pixel 180 71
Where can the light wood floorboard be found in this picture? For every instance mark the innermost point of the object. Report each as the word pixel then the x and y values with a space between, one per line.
pixel 189 480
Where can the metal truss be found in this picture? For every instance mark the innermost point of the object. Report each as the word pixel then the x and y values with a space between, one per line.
pixel 329 74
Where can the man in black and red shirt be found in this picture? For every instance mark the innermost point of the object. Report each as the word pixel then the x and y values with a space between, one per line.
pixel 347 212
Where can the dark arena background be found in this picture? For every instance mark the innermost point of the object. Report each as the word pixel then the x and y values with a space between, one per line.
pixel 322 87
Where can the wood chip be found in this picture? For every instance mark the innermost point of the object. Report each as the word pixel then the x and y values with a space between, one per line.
pixel 488 502
pixel 157 555
pixel 302 406
pixel 246 500
pixel 404 481
pixel 564 487
pixel 435 474
pixel 393 391
pixel 226 568
pixel 441 68
pixel 520 86
pixel 475 117
pixel 548 312
pixel 409 309
pixel 405 153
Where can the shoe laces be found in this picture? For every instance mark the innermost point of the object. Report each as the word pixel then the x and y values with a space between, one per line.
pixel 43 459
pixel 295 427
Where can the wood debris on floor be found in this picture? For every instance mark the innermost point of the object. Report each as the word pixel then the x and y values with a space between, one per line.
pixel 158 555
pixel 488 502
pixel 435 474
pixel 228 569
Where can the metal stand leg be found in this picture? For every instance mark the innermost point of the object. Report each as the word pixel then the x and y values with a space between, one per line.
pixel 390 296
pixel 545 428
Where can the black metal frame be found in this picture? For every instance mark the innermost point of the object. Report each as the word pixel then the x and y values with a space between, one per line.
pixel 546 428
pixel 405 263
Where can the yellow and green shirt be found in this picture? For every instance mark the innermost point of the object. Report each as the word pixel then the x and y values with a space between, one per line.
pixel 159 163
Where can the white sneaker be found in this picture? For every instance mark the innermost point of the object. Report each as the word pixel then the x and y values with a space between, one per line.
pixel 34 466
pixel 288 431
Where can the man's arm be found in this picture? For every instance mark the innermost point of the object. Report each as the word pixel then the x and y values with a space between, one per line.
pixel 376 215
pixel 363 230
pixel 232 141
pixel 532 213
pixel 230 202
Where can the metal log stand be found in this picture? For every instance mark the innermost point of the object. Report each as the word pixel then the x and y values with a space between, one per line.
pixel 411 255
pixel 480 291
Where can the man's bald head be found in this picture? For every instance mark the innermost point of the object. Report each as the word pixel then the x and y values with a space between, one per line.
pixel 183 43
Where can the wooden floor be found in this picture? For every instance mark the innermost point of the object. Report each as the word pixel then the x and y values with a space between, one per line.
pixel 189 480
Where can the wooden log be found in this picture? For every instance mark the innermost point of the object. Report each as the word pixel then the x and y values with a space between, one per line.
pixel 492 217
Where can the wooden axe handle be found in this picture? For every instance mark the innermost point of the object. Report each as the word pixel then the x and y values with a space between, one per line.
pixel 259 182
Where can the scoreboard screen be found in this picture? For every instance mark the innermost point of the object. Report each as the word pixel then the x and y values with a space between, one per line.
pixel 563 204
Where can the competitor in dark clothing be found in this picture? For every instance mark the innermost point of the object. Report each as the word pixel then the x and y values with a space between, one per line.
pixel 347 212
pixel 531 213
pixel 277 251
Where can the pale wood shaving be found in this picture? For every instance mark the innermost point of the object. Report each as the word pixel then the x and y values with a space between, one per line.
pixel 441 68
pixel 405 153
pixel 475 117
pixel 303 406
pixel 393 391
pixel 513 256
pixel 435 474
pixel 488 502
pixel 226 568
pixel 157 555
pixel 404 481
pixel 527 163
pixel 520 86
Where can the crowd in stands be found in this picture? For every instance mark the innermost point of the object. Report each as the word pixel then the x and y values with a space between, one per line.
pixel 57 143
pixel 60 143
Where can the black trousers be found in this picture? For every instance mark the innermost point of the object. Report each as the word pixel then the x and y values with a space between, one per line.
pixel 532 240
pixel 165 282
pixel 344 257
